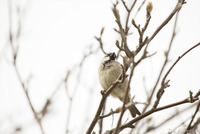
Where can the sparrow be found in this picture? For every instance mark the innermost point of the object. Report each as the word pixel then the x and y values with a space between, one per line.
pixel 109 71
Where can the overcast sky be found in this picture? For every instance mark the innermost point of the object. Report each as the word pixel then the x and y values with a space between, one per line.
pixel 55 35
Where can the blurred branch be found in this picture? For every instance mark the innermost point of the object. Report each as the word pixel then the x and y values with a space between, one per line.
pixel 193 128
pixel 162 123
pixel 142 4
pixel 44 111
pixel 130 123
pixel 195 125
pixel 110 113
pixel 101 120
pixel 179 125
pixel 71 97
pixel 178 112
pixel 14 55
pixel 99 39
pixel 189 125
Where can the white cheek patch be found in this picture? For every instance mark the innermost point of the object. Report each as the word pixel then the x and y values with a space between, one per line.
pixel 107 58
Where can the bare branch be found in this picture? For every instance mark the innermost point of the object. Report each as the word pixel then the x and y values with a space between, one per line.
pixel 176 9
pixel 122 32
pixel 189 125
pixel 139 8
pixel 178 112
pixel 101 120
pixel 71 97
pixel 99 39
pixel 147 40
pixel 128 16
pixel 194 127
pixel 124 3
pixel 164 64
pixel 164 83
pixel 119 47
pixel 130 123
pixel 142 30
pixel 14 55
pixel 104 93
pixel 110 113
pixel 124 101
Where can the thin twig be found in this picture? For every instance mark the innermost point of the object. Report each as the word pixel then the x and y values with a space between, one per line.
pixel 178 112
pixel 151 111
pixel 142 30
pixel 148 40
pixel 14 54
pixel 139 8
pixel 176 9
pixel 124 101
pixel 128 16
pixel 101 120
pixel 78 78
pixel 126 30
pixel 124 3
pixel 110 113
pixel 194 126
pixel 164 83
pixel 122 32
pixel 189 125
pixel 160 92
pixel 164 64
pixel 99 39
pixel 104 93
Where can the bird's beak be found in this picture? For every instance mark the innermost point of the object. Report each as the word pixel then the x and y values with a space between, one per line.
pixel 113 56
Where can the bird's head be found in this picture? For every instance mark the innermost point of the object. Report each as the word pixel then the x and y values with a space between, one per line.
pixel 109 57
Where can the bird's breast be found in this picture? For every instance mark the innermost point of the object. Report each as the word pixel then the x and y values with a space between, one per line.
pixel 108 75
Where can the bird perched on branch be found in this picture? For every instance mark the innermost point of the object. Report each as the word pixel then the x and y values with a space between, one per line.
pixel 109 71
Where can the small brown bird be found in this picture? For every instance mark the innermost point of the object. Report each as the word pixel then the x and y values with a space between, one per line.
pixel 109 71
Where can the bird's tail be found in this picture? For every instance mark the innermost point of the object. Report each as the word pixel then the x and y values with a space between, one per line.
pixel 133 110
